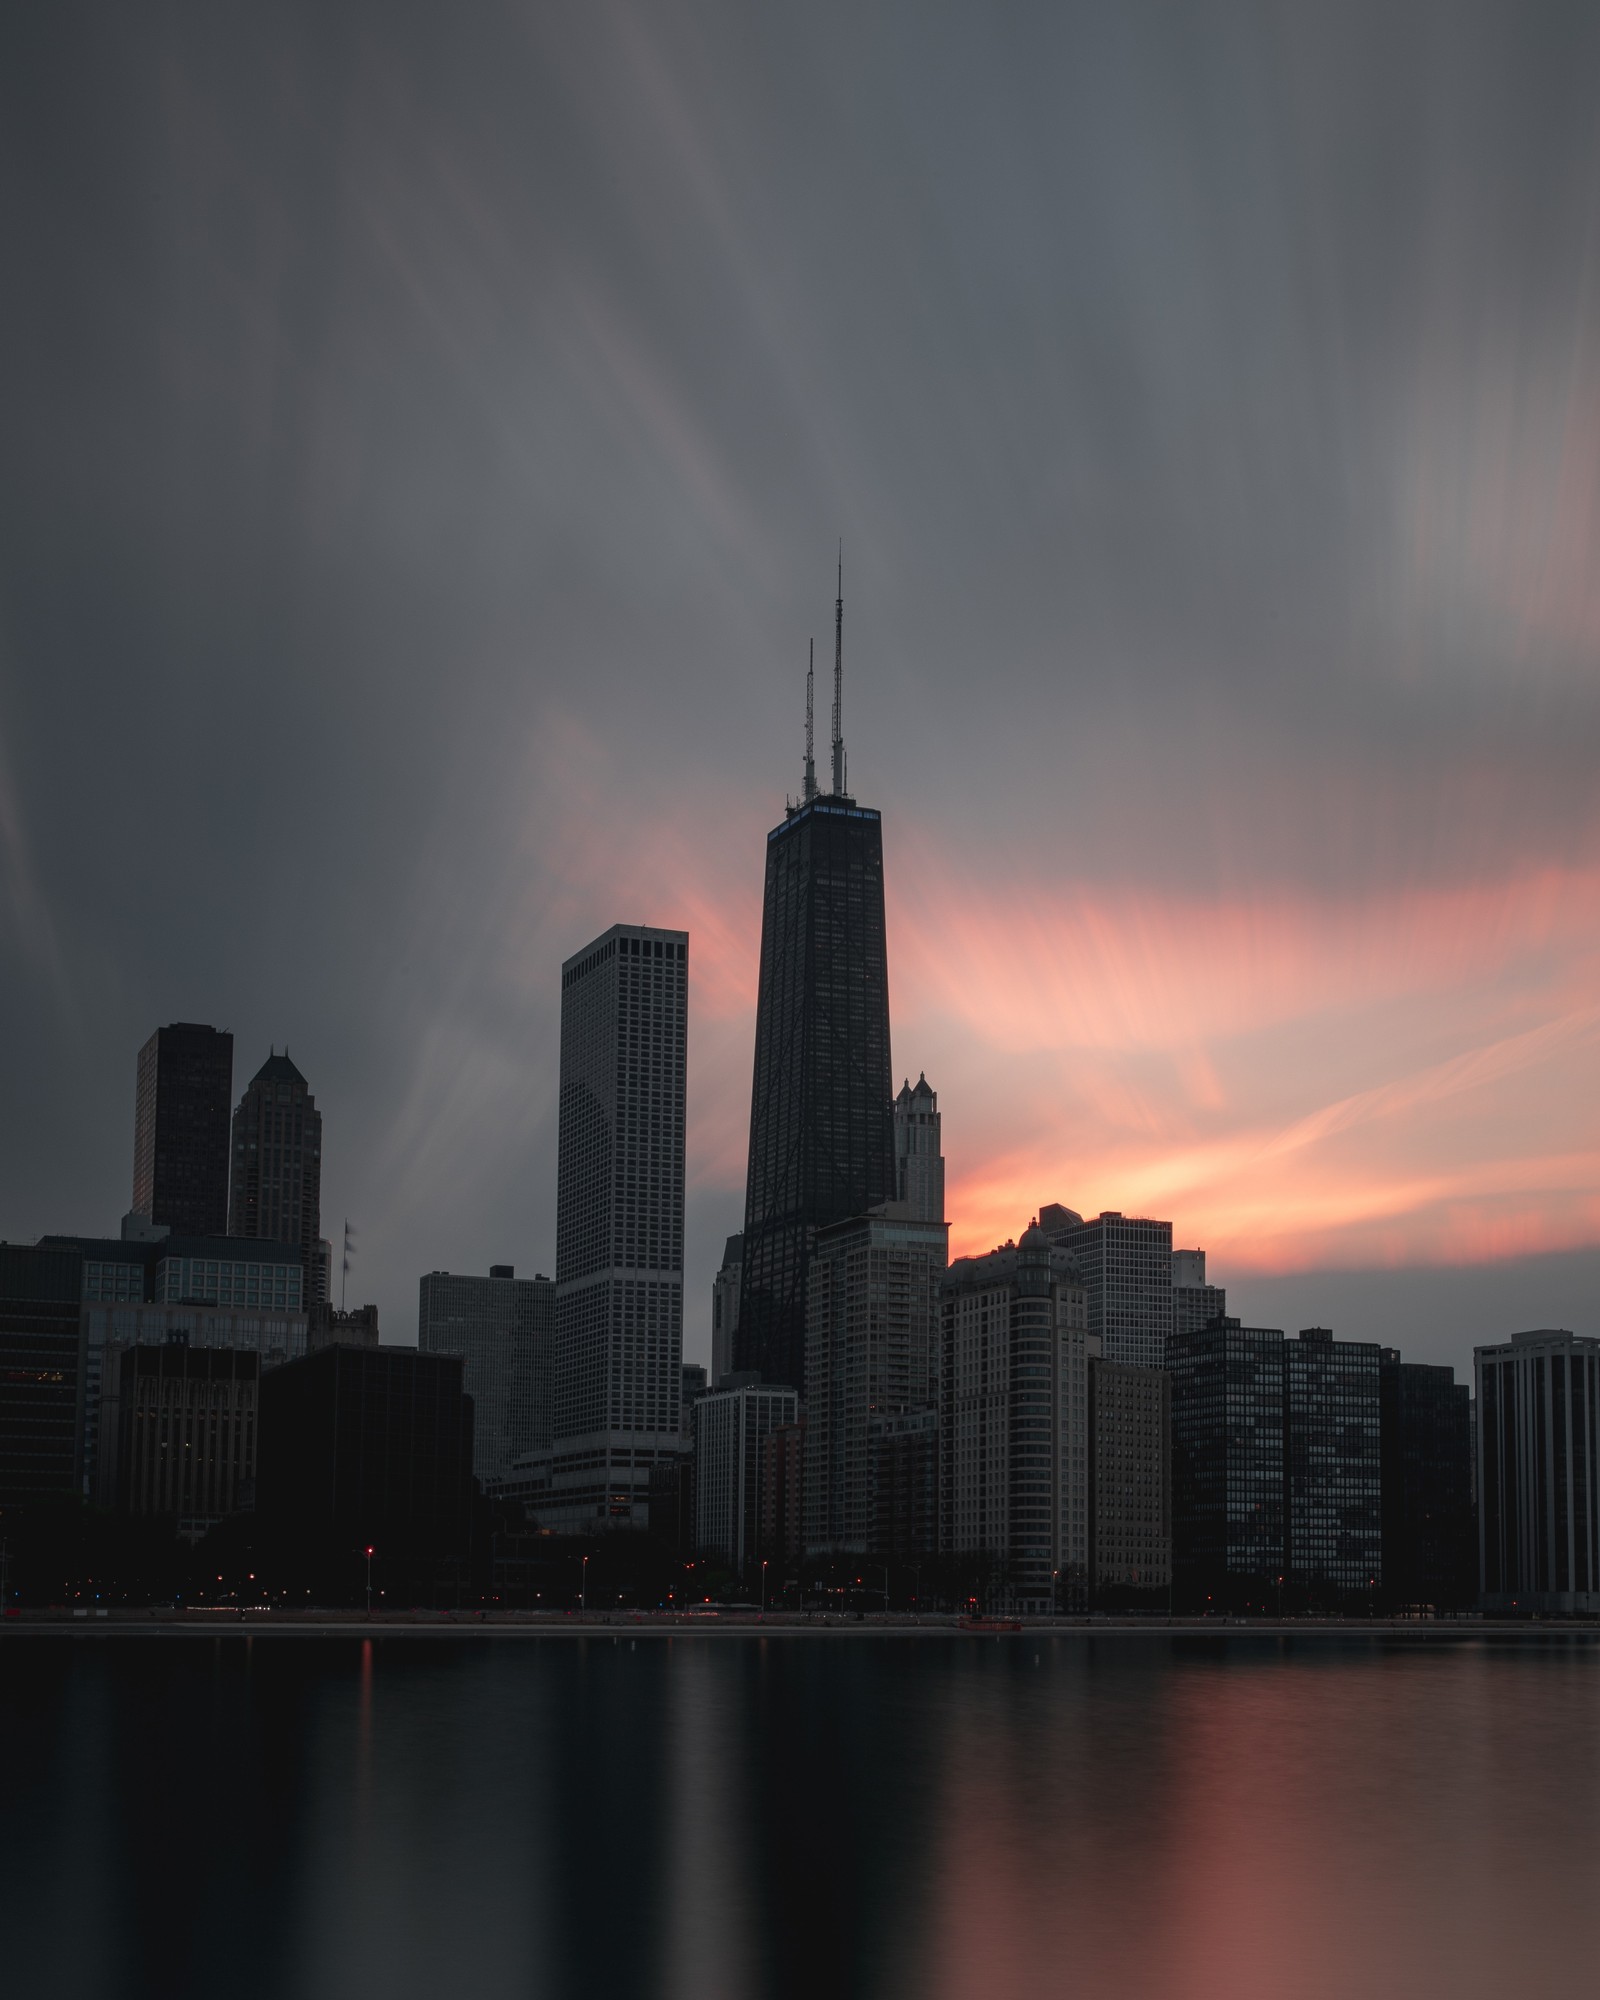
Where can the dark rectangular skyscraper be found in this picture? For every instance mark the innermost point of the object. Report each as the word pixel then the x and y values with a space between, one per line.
pixel 1429 1544
pixel 180 1132
pixel 1332 1511
pixel 821 1107
pixel 1227 1466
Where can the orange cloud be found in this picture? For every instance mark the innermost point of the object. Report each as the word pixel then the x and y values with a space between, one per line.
pixel 1295 1080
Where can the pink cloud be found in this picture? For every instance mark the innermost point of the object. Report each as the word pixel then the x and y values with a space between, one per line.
pixel 1295 1080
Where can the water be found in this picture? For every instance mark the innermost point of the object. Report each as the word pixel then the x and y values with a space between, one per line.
pixel 713 1816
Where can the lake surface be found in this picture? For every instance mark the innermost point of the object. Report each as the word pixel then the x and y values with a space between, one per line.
pixel 713 1816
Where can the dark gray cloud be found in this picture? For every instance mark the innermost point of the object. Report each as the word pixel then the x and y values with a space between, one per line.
pixel 425 436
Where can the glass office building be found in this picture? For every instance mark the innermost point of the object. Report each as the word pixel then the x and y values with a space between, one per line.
pixel 1227 1449
pixel 1333 1522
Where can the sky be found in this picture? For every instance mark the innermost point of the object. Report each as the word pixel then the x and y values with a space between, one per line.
pixel 426 438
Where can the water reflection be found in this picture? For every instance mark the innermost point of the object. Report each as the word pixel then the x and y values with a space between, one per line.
pixel 712 1817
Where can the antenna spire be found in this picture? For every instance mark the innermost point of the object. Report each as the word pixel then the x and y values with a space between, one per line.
pixel 809 790
pixel 838 681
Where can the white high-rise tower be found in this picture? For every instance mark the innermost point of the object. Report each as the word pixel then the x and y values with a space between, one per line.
pixel 619 1226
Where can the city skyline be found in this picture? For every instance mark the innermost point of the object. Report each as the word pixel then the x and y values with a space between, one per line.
pixel 978 1366
pixel 1223 633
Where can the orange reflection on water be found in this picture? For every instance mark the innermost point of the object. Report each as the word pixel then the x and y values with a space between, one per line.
pixel 1268 1827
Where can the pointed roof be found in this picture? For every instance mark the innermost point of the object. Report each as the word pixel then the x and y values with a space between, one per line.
pixel 278 1069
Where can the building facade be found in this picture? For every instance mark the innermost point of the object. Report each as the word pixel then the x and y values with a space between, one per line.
pixel 149 1287
pixel 275 1192
pixel 1013 1425
pixel 1538 1398
pixel 42 1373
pixel 619 1226
pixel 692 1386
pixel 725 1308
pixel 1126 1265
pixel 1130 1481
pixel 1277 1473
pixel 271 1339
pixel 903 1446
pixel 367 1445
pixel 821 1113
pixel 183 1098
pixel 502 1327
pixel 227 1272
pixel 330 1326
pixel 1194 1303
pixel 731 1428
pixel 1430 1544
pixel 783 1496
pixel 1333 1494
pixel 872 1349
pixel 918 1154
pixel 1228 1466
pixel 185 1434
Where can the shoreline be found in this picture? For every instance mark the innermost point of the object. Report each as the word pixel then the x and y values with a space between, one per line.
pixel 217 1624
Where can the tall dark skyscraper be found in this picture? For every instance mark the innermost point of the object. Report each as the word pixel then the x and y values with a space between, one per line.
pixel 276 1194
pixel 821 1107
pixel 180 1131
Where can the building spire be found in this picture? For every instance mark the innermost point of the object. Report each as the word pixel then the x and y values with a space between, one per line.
pixel 808 790
pixel 838 682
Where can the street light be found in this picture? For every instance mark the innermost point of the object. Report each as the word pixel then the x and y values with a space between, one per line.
pixel 583 1590
pixel 369 1581
pixel 763 1586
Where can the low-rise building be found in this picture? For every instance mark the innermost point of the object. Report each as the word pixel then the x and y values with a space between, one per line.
pixel 271 1336
pixel 368 1445
pixel 503 1329
pixel 731 1428
pixel 184 1441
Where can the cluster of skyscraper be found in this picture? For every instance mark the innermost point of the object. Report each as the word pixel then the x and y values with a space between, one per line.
pixel 1071 1418
pixel 221 1251
pixel 194 1367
